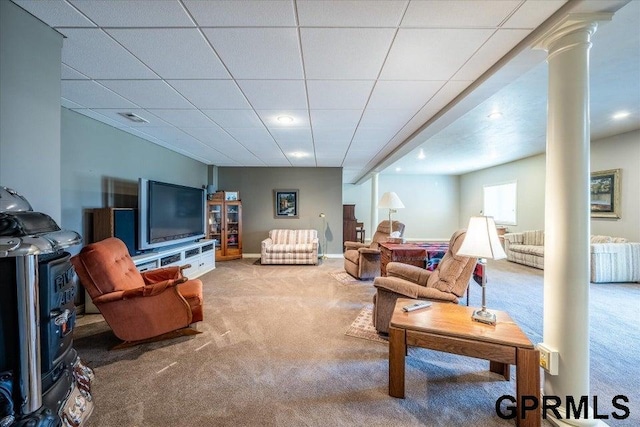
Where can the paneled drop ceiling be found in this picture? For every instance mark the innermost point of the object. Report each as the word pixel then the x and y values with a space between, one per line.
pixel 359 78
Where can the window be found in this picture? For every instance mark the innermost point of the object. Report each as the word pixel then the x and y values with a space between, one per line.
pixel 500 203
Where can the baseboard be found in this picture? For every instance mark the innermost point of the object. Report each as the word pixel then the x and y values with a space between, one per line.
pixel 335 256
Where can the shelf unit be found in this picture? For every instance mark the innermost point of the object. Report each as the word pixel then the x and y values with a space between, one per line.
pixel 224 224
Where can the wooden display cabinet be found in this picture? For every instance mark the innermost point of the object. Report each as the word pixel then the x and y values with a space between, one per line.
pixel 224 218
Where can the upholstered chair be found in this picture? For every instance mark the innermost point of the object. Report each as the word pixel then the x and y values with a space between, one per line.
pixel 446 283
pixel 137 306
pixel 361 260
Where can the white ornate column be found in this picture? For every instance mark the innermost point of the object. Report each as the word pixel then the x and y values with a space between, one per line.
pixel 374 203
pixel 567 201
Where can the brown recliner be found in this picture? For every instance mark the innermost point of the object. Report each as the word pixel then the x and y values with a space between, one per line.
pixel 361 260
pixel 446 283
pixel 137 306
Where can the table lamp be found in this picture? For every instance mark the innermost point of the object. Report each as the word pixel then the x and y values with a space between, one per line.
pixel 482 242
pixel 391 201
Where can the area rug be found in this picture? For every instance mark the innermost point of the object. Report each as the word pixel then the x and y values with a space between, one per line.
pixel 346 279
pixel 363 327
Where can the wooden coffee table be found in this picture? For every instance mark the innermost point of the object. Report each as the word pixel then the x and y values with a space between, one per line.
pixel 449 328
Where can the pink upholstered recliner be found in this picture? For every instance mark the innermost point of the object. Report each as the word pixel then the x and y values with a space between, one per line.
pixel 137 306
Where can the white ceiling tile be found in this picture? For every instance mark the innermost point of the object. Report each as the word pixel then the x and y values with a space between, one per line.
pixel 532 13
pixel 446 94
pixel 329 138
pixel 191 56
pixel 371 139
pixel 92 95
pixel 426 54
pixel 213 137
pixel 357 158
pixel 211 94
pixel 266 150
pixel 70 104
pixel 458 13
pixel 270 118
pixel 335 119
pixel 184 118
pixel 293 139
pixel 302 162
pixel 242 13
pixel 102 118
pixel 495 48
pixel 275 94
pixel 148 93
pixel 55 13
pixel 138 13
pixel 113 114
pixel 258 53
pixel 349 13
pixel 402 95
pixel 394 119
pixel 169 134
pixel 68 73
pixel 345 53
pixel 93 53
pixel 339 94
pixel 252 137
pixel 235 118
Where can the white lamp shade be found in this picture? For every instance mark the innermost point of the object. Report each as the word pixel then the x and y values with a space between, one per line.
pixel 481 240
pixel 390 200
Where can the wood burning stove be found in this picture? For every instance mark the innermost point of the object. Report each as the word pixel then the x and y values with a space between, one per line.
pixel 43 382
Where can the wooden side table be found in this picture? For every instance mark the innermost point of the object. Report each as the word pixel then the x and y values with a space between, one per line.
pixel 360 232
pixel 449 328
pixel 401 252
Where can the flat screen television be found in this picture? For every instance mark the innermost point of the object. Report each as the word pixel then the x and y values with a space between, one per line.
pixel 169 214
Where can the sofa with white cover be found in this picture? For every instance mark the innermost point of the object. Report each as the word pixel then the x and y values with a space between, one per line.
pixel 613 259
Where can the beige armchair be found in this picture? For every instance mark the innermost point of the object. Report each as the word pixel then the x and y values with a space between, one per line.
pixel 446 283
pixel 361 260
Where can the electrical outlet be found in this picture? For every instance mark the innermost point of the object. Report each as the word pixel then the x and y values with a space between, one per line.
pixel 549 359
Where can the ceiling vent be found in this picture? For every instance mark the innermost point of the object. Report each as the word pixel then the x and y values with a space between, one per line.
pixel 134 118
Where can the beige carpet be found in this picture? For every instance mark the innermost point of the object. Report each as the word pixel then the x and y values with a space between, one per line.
pixel 363 327
pixel 347 279
pixel 273 352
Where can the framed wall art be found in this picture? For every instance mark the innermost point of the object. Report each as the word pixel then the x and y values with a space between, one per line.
pixel 286 203
pixel 605 194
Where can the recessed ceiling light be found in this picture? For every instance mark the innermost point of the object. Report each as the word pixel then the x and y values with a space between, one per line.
pixel 421 155
pixel 285 119
pixel 398 169
pixel 298 154
pixel 621 115
pixel 495 115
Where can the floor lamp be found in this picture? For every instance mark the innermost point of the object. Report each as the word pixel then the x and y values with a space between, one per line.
pixel 324 235
pixel 391 201
pixel 482 242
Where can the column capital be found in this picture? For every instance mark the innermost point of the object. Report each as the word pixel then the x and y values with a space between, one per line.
pixel 572 23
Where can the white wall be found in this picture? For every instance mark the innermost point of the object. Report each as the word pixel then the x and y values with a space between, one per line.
pixel 617 152
pixel 620 152
pixel 529 175
pixel 30 55
pixel 431 204
pixel 101 166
